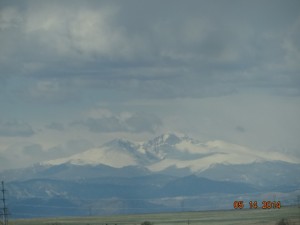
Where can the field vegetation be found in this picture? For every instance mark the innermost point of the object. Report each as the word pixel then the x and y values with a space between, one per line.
pixel 282 216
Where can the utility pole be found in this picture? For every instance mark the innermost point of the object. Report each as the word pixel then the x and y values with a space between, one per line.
pixel 4 213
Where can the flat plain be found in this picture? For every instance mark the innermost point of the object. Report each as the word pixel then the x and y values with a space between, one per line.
pixel 226 217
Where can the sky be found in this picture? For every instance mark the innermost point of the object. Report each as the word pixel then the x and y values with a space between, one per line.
pixel 76 74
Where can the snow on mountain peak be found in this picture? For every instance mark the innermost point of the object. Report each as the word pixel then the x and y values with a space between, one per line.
pixel 168 138
pixel 166 151
pixel 95 156
pixel 121 143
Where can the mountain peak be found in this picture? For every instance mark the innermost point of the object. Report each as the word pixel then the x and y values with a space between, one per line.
pixel 167 139
pixel 166 151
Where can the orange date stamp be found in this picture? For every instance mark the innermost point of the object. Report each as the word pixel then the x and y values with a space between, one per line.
pixel 255 205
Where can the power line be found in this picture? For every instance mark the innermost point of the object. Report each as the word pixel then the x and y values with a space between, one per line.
pixel 4 213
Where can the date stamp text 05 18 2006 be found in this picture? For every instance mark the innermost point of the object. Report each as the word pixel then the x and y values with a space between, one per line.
pixel 255 205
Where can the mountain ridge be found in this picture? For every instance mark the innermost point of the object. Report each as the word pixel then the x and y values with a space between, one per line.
pixel 166 173
pixel 169 150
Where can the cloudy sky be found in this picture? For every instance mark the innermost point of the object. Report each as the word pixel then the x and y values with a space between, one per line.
pixel 75 74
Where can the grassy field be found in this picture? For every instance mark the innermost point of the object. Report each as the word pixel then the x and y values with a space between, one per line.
pixel 242 216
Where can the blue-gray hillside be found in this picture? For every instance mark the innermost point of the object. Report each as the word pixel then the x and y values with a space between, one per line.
pixel 157 175
pixel 135 194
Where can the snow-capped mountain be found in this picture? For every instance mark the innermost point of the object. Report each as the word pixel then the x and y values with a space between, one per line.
pixel 161 173
pixel 170 151
pixel 117 153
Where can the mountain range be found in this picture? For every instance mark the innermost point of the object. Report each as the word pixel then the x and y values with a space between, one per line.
pixel 168 173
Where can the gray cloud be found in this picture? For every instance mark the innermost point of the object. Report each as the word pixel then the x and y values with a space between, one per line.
pixel 191 64
pixel 35 150
pixel 68 148
pixel 137 122
pixel 78 145
pixel 55 126
pixel 4 162
pixel 48 91
pixel 15 129
pixel 169 50
pixel 22 154
pixel 111 124
pixel 143 122
pixel 240 129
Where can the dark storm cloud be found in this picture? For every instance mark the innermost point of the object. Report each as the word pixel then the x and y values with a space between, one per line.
pixel 15 129
pixel 150 48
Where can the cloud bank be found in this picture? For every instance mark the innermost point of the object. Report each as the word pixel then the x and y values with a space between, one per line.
pixel 106 122
pixel 96 70
pixel 159 50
